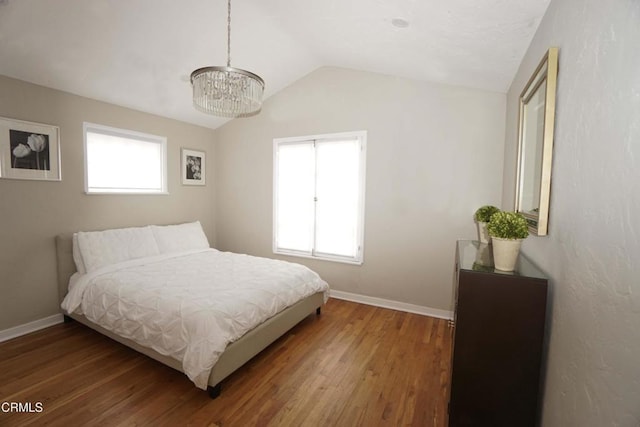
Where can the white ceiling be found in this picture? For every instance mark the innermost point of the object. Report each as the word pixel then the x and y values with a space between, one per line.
pixel 140 53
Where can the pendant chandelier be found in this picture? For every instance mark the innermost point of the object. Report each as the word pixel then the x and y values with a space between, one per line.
pixel 227 91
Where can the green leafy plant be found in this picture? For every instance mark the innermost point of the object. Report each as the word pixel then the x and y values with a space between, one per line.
pixel 484 213
pixel 508 225
pixel 479 267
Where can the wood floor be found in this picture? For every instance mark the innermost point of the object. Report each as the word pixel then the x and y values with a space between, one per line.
pixel 354 365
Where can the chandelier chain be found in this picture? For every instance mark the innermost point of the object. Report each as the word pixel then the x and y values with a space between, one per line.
pixel 229 33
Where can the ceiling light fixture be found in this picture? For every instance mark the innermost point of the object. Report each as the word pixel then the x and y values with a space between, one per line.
pixel 227 91
pixel 400 23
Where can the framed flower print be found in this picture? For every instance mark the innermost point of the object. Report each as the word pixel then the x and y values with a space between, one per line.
pixel 29 150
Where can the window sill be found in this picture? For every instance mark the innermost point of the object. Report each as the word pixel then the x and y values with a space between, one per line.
pixel 320 258
pixel 125 193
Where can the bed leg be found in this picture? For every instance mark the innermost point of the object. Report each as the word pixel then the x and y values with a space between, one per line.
pixel 318 311
pixel 214 391
pixel 67 319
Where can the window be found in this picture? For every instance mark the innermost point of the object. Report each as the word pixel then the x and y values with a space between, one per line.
pixel 124 161
pixel 319 196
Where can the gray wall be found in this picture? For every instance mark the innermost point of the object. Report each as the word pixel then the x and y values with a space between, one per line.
pixel 434 155
pixel 592 252
pixel 33 212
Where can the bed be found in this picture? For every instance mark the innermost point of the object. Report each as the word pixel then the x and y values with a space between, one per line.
pixel 126 272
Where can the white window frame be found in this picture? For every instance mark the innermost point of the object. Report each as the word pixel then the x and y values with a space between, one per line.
pixel 128 134
pixel 359 257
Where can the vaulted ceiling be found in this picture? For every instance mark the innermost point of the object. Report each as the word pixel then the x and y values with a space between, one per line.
pixel 140 53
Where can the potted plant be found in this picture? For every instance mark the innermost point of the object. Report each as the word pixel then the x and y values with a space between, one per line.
pixel 507 230
pixel 484 259
pixel 482 217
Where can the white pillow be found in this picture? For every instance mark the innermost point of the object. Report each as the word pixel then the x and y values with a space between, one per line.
pixel 180 238
pixel 77 256
pixel 102 248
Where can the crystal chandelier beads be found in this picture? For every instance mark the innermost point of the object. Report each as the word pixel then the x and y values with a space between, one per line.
pixel 227 91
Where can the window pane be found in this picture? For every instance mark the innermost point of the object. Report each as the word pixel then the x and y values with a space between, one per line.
pixel 294 197
pixel 337 192
pixel 319 196
pixel 122 163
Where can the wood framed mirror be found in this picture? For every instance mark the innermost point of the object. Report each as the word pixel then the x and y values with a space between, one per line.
pixel 535 144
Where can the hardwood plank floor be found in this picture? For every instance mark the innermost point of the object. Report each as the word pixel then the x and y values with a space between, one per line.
pixel 355 365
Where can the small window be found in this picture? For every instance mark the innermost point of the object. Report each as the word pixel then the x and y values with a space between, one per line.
pixel 119 161
pixel 319 196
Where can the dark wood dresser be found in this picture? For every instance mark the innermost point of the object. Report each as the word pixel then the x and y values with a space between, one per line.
pixel 498 333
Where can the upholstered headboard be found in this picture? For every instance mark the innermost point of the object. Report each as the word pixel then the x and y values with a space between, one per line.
pixel 66 266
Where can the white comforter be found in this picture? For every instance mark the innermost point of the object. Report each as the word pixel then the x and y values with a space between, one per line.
pixel 189 306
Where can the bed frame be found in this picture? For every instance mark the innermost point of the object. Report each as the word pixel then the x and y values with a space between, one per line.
pixel 235 355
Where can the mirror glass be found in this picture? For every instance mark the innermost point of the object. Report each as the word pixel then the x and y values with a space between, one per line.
pixel 535 144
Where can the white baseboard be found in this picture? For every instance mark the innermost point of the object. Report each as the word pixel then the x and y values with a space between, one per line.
pixel 36 325
pixel 394 305
pixel 27 328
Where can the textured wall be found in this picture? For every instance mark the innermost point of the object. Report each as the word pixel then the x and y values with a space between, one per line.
pixel 33 212
pixel 434 155
pixel 592 252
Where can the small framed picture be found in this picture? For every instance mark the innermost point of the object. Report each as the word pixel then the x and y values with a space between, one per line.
pixel 194 167
pixel 29 150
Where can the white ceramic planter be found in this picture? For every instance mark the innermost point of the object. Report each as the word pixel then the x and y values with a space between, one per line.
pixel 505 253
pixel 483 234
